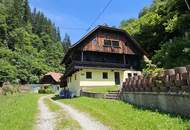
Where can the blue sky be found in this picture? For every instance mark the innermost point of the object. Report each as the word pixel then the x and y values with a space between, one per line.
pixel 81 13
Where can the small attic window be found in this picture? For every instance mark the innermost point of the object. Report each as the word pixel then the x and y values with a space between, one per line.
pixel 94 41
pixel 115 44
pixel 107 43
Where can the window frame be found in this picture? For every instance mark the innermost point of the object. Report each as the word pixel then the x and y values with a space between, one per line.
pixel 94 41
pixel 106 76
pixel 129 75
pixel 88 76
pixel 109 41
pixel 135 74
pixel 114 45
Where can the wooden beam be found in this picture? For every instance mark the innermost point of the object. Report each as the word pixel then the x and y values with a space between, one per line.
pixel 82 58
pixel 124 60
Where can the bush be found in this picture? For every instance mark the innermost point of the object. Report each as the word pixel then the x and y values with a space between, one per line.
pixel 151 70
pixel 8 89
pixel 46 90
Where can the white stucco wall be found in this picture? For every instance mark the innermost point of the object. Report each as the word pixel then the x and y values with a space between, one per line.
pixel 132 72
pixel 97 80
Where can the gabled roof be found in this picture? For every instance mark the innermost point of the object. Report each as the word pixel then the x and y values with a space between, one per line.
pixel 55 76
pixel 104 28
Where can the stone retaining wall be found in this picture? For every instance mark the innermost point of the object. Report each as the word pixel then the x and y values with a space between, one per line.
pixel 175 103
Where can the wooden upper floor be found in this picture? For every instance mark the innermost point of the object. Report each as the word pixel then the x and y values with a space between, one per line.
pixel 109 42
pixel 104 39
pixel 104 47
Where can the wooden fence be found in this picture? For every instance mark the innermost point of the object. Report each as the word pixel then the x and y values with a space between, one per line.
pixel 172 80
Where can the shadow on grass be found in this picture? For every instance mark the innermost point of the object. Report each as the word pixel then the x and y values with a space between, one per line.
pixel 157 110
pixel 57 97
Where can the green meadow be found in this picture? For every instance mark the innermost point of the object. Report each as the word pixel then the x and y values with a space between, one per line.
pixel 18 112
pixel 122 116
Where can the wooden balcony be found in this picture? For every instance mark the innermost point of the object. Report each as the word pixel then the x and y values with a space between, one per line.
pixel 79 64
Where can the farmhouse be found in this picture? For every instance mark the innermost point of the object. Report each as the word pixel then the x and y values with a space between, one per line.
pixel 51 78
pixel 103 57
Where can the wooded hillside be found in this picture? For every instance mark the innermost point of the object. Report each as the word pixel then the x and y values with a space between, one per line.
pixel 163 30
pixel 30 44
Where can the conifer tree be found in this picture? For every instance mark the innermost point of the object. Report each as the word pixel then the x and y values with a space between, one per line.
pixel 66 43
pixel 27 12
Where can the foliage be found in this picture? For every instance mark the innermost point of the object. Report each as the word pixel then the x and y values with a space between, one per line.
pixel 66 43
pixel 121 116
pixel 30 44
pixel 7 71
pixel 157 24
pixel 150 69
pixel 176 53
pixel 18 112
pixel 46 90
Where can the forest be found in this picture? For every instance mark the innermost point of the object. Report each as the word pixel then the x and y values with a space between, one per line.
pixel 30 43
pixel 163 30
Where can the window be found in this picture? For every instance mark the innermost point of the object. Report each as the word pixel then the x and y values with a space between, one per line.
pixel 135 74
pixel 105 75
pixel 129 75
pixel 107 42
pixel 88 75
pixel 115 43
pixel 94 41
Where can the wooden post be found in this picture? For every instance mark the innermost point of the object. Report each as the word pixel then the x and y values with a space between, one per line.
pixel 124 60
pixel 82 58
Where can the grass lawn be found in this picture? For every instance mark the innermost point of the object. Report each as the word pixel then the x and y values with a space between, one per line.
pixel 63 121
pixel 101 89
pixel 122 116
pixel 18 112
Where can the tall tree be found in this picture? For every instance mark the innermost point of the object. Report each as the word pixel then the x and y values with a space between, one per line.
pixel 27 12
pixel 161 23
pixel 66 43
pixel 30 44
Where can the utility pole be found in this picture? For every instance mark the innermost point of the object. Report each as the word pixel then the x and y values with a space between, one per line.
pixel 187 4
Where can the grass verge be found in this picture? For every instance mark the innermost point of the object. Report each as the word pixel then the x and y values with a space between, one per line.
pixel 63 120
pixel 121 116
pixel 18 112
pixel 101 89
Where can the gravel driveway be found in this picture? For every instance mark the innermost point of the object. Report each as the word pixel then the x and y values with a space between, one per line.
pixel 46 119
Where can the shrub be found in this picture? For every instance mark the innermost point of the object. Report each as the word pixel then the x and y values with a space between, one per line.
pixel 7 89
pixel 46 90
pixel 151 70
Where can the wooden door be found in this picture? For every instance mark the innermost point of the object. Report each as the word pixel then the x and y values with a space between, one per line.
pixel 117 78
